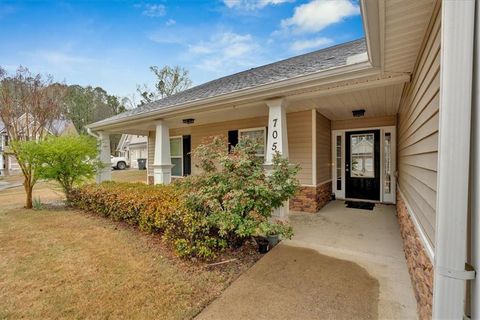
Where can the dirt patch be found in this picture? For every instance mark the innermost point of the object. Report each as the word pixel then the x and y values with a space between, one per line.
pixel 297 283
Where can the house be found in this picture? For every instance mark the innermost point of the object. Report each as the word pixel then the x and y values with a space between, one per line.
pixel 385 119
pixel 132 147
pixel 8 162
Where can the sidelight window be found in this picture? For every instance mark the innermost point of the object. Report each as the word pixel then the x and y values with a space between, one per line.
pixel 388 162
pixel 338 163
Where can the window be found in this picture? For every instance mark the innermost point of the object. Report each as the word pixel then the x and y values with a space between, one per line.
pixel 176 154
pixel 388 162
pixel 362 156
pixel 257 134
pixel 338 164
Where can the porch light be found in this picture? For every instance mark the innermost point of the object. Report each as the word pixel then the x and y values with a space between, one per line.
pixel 358 113
pixel 188 121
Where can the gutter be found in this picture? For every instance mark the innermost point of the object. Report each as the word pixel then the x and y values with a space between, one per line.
pixel 90 132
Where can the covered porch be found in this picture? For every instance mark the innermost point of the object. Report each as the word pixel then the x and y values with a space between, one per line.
pixel 304 127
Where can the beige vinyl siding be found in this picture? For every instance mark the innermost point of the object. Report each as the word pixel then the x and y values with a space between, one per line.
pixel 363 123
pixel 417 133
pixel 323 148
pixel 298 128
pixel 150 152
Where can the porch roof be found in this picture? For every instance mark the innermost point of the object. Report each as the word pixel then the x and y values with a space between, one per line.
pixel 303 65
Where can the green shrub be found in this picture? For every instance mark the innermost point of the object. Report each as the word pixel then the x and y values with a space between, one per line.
pixel 229 202
pixel 157 208
pixel 234 196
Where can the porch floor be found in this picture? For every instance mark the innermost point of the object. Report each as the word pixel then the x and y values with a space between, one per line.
pixel 369 238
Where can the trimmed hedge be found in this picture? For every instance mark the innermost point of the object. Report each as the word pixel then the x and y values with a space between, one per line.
pixel 159 208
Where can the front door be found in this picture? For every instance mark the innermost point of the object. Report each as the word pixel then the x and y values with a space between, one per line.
pixel 362 164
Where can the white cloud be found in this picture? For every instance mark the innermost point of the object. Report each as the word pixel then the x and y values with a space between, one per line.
pixel 170 22
pixel 252 4
pixel 319 14
pixel 317 43
pixel 226 52
pixel 154 10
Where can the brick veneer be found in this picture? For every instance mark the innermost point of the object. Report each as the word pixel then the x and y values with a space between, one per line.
pixel 312 199
pixel 419 264
pixel 150 180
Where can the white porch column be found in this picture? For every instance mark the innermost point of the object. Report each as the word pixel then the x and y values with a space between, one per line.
pixel 162 162
pixel 456 62
pixel 105 173
pixel 2 173
pixel 277 141
pixel 475 172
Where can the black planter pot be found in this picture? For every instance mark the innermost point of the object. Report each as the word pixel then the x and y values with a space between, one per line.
pixel 263 245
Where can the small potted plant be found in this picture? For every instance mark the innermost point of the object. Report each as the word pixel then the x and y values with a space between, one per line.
pixel 271 232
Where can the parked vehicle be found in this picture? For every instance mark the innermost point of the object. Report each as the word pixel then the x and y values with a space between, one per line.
pixel 120 163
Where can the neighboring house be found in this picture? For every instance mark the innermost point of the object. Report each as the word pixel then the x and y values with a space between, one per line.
pixel 132 147
pixel 8 162
pixel 385 119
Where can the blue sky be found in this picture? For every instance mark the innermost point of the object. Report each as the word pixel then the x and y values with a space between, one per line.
pixel 112 43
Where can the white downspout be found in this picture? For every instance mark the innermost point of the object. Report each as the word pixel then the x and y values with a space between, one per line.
pixel 456 63
pixel 475 172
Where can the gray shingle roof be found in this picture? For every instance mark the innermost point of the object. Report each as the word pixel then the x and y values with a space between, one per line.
pixel 302 65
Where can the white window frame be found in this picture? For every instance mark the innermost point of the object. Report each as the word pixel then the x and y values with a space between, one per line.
pixel 178 157
pixel 264 138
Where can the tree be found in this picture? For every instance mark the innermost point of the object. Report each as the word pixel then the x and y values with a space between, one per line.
pixel 69 160
pixel 84 105
pixel 170 80
pixel 28 106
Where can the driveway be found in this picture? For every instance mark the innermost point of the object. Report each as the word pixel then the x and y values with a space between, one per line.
pixel 341 264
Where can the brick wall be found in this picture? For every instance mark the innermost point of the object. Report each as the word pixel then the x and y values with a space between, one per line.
pixel 312 199
pixel 419 264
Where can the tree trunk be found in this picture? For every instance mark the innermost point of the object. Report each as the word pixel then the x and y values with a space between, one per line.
pixel 28 190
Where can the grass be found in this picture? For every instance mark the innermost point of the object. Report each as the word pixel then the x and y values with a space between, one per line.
pixel 61 263
pixel 129 175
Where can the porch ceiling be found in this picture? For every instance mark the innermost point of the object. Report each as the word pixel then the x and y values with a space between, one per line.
pixel 377 102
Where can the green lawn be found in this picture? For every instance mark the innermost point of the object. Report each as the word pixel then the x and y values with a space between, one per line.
pixel 61 263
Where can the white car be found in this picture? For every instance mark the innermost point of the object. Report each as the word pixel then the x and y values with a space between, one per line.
pixel 120 163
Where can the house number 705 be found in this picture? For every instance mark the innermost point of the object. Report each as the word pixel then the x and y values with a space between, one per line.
pixel 274 135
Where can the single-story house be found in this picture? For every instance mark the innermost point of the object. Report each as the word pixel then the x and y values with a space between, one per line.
pixel 8 162
pixel 386 118
pixel 132 147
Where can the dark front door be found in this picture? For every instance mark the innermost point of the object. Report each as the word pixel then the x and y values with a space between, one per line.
pixel 362 165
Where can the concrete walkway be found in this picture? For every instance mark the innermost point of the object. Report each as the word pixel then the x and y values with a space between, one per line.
pixel 341 264
pixel 369 238
pixel 297 283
